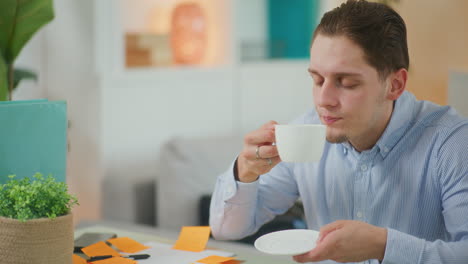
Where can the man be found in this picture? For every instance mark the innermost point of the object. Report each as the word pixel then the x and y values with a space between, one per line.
pixel 392 184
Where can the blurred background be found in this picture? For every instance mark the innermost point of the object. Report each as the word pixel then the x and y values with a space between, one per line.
pixel 137 74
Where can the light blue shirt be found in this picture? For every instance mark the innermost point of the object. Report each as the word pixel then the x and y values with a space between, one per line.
pixel 414 182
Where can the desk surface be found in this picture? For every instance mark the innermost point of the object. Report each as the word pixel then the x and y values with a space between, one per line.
pixel 145 234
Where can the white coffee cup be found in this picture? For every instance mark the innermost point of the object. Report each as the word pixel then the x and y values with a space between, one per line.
pixel 300 143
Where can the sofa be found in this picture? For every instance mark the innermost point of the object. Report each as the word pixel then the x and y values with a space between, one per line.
pixel 186 170
pixel 178 193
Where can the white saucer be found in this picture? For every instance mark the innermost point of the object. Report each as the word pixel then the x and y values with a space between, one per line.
pixel 287 242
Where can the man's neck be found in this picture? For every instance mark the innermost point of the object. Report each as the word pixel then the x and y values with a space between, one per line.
pixel 368 141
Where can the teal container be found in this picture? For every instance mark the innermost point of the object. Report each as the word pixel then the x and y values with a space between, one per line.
pixel 290 27
pixel 33 138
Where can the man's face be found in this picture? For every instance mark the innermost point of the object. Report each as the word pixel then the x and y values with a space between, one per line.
pixel 349 96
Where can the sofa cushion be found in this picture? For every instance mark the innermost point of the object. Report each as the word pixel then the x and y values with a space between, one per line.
pixel 188 168
pixel 127 198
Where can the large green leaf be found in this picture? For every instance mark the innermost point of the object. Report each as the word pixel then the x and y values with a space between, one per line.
pixel 19 20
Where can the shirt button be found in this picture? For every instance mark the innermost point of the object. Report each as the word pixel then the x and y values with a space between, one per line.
pixel 230 191
pixel 359 214
pixel 364 167
pixel 386 149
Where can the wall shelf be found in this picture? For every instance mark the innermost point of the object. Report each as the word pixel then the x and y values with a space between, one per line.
pixel 147 106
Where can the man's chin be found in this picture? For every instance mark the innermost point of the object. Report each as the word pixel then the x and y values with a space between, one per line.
pixel 336 138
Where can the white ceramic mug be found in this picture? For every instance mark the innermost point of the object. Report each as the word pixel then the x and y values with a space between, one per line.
pixel 300 143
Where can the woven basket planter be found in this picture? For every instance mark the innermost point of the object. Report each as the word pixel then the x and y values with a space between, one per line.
pixel 38 241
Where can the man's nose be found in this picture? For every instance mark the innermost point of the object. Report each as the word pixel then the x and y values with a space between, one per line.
pixel 327 95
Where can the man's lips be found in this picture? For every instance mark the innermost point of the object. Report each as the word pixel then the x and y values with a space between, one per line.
pixel 328 120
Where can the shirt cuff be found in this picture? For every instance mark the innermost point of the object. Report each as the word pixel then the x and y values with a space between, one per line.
pixel 236 192
pixel 402 248
pixel 246 193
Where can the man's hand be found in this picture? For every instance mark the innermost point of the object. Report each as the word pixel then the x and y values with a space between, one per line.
pixel 252 162
pixel 347 241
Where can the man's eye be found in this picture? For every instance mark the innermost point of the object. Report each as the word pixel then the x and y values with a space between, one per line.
pixel 318 81
pixel 349 85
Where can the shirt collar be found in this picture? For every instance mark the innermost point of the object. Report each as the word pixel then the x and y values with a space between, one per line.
pixel 400 121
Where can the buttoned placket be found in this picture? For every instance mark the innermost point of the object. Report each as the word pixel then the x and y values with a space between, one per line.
pixel 361 184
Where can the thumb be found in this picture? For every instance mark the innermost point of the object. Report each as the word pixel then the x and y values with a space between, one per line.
pixel 270 125
pixel 327 229
pixel 322 251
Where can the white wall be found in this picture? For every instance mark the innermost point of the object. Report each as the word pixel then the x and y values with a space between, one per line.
pixel 278 91
pixel 140 111
pixel 458 91
pixel 69 61
pixel 250 21
pixel 32 58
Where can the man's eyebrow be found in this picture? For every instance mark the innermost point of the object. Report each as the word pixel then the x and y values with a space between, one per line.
pixel 337 74
pixel 347 74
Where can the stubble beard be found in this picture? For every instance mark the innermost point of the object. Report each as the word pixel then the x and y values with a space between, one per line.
pixel 336 138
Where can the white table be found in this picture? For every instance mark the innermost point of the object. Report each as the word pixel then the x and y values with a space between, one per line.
pixel 144 234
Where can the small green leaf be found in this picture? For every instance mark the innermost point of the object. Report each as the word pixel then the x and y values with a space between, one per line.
pixel 41 197
pixel 3 79
pixel 23 74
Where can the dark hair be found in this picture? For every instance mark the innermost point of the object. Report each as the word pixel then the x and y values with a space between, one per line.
pixel 376 28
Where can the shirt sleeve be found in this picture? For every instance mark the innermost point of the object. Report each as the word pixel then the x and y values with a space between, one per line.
pixel 452 172
pixel 239 209
pixel 406 249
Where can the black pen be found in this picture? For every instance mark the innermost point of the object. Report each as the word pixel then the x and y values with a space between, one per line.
pixel 134 257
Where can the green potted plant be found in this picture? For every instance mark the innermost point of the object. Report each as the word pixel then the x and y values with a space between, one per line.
pixel 36 223
pixel 19 21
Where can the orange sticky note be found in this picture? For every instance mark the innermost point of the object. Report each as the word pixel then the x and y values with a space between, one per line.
pixel 214 260
pixel 127 245
pixel 78 260
pixel 115 260
pixel 193 238
pixel 233 261
pixel 99 249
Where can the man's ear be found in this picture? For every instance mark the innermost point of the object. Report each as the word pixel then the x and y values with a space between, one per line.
pixel 397 84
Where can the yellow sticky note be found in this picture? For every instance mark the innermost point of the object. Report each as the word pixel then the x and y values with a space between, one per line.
pixel 214 260
pixel 115 260
pixel 193 238
pixel 127 245
pixel 99 249
pixel 78 260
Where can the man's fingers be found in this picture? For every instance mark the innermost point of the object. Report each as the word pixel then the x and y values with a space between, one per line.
pixel 260 137
pixel 264 152
pixel 265 134
pixel 327 229
pixel 265 165
pixel 322 251
pixel 271 162
pixel 259 154
pixel 317 254
pixel 269 125
pixel 262 166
